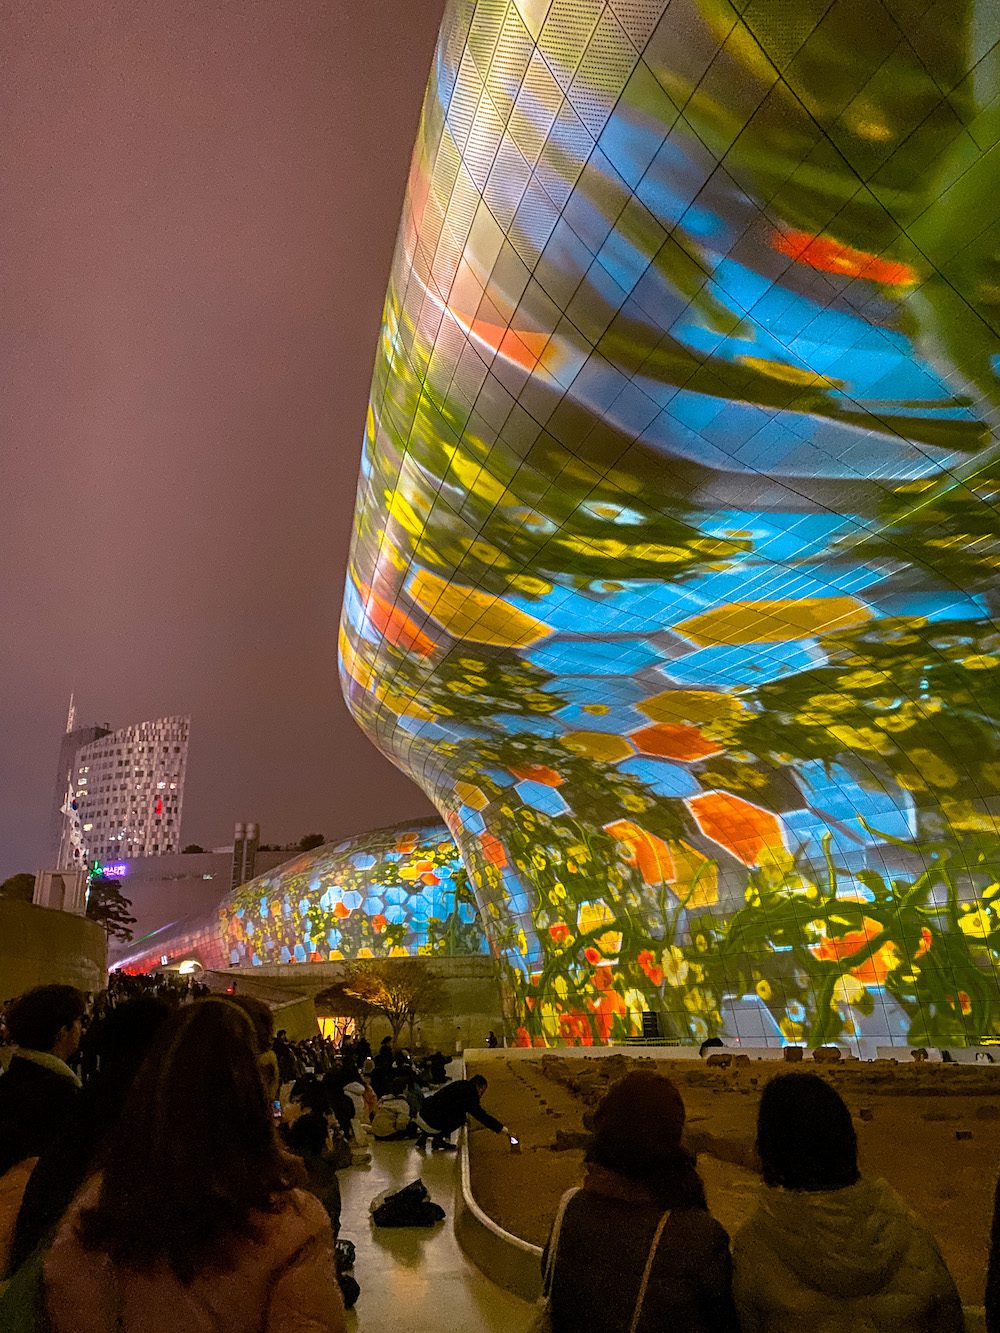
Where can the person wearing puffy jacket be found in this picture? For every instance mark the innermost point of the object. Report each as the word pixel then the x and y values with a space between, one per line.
pixel 392 1115
pixel 195 1219
pixel 993 1271
pixel 357 1087
pixel 829 1249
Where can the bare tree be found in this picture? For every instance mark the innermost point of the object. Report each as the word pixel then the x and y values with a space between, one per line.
pixel 401 989
pixel 338 1002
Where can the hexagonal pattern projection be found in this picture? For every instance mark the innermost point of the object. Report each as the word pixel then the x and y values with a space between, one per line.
pixel 387 894
pixel 676 553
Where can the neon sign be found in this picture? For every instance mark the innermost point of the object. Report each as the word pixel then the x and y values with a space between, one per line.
pixel 113 870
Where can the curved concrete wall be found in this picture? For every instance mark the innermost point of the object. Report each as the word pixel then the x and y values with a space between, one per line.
pixel 39 946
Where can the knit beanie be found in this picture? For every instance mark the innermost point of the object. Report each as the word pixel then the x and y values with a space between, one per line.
pixel 638 1123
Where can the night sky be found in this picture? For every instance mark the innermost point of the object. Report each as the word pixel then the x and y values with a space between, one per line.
pixel 198 204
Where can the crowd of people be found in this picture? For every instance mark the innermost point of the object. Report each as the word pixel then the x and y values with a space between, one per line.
pixel 384 1095
pixel 150 1169
pixel 165 1181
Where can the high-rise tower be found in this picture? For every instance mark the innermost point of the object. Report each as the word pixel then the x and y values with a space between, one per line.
pixel 128 790
pixel 74 739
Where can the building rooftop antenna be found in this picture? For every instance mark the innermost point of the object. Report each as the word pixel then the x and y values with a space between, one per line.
pixel 71 715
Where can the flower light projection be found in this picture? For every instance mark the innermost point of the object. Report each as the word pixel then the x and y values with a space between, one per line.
pixel 675 560
pixel 388 894
pixel 392 893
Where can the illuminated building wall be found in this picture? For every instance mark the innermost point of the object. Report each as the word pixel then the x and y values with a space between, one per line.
pixel 675 564
pixel 126 793
pixel 391 893
pixel 73 740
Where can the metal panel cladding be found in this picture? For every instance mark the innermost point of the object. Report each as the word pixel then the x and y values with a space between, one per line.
pixel 675 565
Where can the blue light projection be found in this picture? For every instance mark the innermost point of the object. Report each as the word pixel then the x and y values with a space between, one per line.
pixel 674 578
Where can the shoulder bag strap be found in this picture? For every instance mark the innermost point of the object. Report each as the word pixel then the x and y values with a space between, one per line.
pixel 654 1245
pixel 554 1239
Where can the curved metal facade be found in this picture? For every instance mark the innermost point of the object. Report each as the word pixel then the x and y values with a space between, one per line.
pixel 390 893
pixel 675 561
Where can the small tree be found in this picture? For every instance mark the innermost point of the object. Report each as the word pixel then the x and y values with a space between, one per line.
pixel 337 1002
pixel 108 906
pixel 401 989
pixel 191 848
pixel 20 887
pixel 311 840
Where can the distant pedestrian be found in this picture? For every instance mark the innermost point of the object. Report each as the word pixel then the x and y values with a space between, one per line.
pixel 436 1067
pixel 491 1041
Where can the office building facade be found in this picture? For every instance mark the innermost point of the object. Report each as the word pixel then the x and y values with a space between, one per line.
pixel 126 793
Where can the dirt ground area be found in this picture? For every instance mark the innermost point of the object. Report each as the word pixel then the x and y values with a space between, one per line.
pixel 932 1131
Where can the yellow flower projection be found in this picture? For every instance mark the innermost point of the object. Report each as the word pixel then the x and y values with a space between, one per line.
pixel 675 574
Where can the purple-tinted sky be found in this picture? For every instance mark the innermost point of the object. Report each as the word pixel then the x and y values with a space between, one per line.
pixel 198 203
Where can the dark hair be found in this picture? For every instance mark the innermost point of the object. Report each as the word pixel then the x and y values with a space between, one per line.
pixel 37 1017
pixel 308 1134
pixel 637 1127
pixel 805 1138
pixel 478 1081
pixel 195 1154
pixel 398 1087
pixel 260 1016
pixel 123 1037
pixel 711 1044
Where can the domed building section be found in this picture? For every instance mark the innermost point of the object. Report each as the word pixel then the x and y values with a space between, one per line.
pixel 391 893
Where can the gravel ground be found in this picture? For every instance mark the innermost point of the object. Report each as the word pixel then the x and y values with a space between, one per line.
pixel 912 1115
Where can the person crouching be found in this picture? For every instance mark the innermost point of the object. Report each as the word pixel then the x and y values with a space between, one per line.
pixel 446 1110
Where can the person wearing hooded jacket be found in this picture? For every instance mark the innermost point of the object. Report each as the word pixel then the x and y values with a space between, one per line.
pixel 993 1271
pixel 829 1249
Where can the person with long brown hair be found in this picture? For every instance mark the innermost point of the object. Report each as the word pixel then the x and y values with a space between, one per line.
pixel 197 1219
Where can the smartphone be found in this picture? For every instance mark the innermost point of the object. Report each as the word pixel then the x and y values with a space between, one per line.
pixel 276 1109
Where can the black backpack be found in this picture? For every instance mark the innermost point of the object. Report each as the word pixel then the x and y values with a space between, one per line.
pixel 411 1206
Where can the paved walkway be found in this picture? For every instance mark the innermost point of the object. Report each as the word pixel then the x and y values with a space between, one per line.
pixel 418 1280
